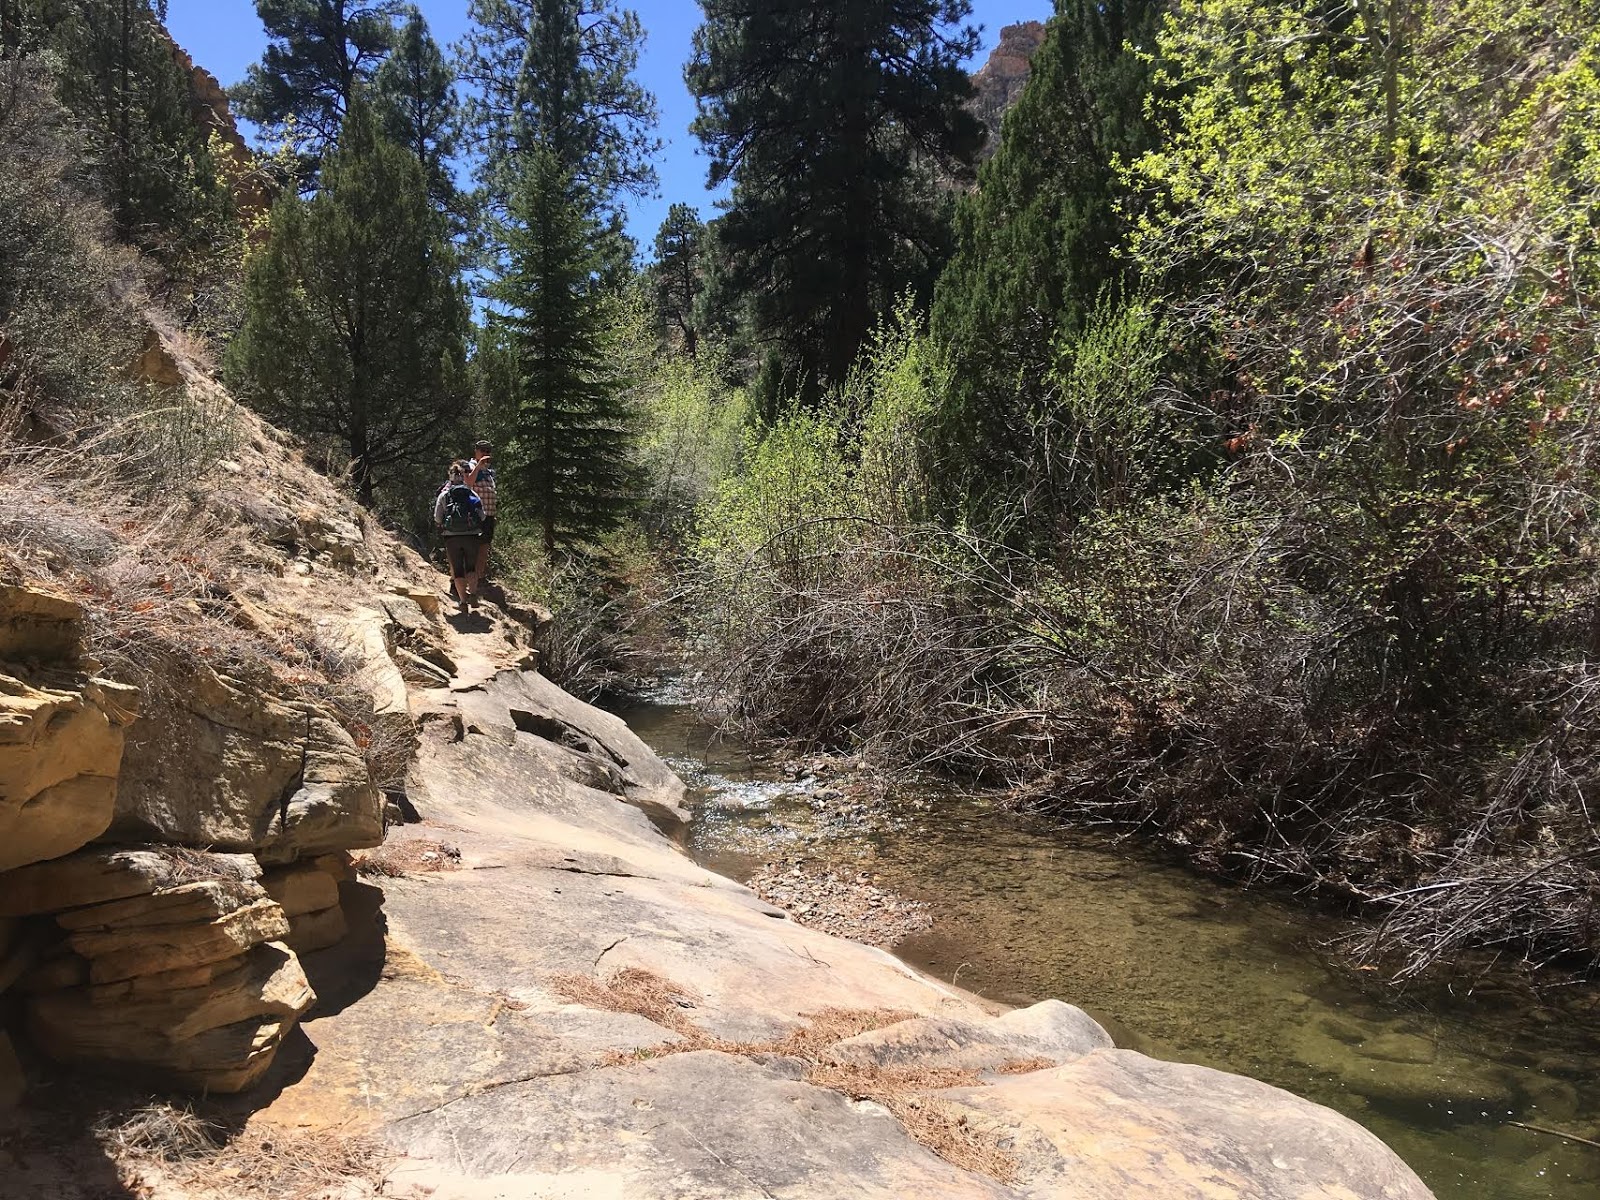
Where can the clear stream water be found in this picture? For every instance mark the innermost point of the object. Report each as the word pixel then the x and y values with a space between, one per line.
pixel 1184 968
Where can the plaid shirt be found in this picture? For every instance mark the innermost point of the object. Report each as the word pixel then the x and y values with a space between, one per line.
pixel 483 484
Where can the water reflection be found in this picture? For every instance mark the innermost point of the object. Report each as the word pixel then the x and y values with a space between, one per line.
pixel 1182 968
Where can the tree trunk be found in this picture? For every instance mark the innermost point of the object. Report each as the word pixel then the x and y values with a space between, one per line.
pixel 125 124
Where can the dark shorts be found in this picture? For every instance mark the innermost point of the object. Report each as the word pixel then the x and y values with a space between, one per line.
pixel 488 530
pixel 462 553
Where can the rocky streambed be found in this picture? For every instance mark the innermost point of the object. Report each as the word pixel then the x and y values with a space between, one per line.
pixel 1171 963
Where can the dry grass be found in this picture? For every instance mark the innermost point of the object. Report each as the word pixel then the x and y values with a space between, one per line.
pixel 396 860
pixel 164 1133
pixel 264 1163
pixel 643 993
pixel 285 1164
pixel 193 866
pixel 933 1123
pixel 1024 1066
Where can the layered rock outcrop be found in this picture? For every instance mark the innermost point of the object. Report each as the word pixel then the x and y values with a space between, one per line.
pixel 227 762
pixel 163 961
pixel 61 731
pixel 178 964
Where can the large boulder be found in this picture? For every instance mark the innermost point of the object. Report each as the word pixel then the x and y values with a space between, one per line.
pixel 233 765
pixel 167 962
pixel 1115 1124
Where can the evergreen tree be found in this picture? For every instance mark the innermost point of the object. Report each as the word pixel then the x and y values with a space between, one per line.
pixel 563 134
pixel 570 459
pixel 556 77
pixel 1035 243
pixel 415 95
pixel 120 78
pixel 355 320
pixel 839 127
pixel 319 53
pixel 676 274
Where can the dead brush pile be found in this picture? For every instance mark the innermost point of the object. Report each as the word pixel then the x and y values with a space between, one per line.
pixel 174 1146
pixel 904 1092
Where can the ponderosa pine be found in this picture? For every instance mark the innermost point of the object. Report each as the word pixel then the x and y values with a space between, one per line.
pixel 319 54
pixel 840 128
pixel 414 93
pixel 355 321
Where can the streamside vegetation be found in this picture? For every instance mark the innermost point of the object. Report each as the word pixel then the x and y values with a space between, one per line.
pixel 1241 487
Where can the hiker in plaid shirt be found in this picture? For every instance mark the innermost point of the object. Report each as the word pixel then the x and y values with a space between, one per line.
pixel 481 480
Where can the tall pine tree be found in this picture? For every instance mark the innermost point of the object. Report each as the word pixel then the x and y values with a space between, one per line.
pixel 563 134
pixel 414 91
pixel 556 77
pixel 570 460
pixel 355 320
pixel 676 274
pixel 1035 243
pixel 839 127
pixel 319 54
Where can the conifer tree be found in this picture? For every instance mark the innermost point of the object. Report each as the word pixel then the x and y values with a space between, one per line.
pixel 120 78
pixel 563 134
pixel 569 463
pixel 556 77
pixel 676 274
pixel 414 91
pixel 355 319
pixel 1035 242
pixel 839 126
pixel 319 54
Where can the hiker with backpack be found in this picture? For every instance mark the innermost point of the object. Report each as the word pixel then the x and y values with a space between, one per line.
pixel 480 478
pixel 458 514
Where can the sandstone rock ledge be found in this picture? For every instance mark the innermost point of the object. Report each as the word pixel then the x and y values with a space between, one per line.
pixel 558 1003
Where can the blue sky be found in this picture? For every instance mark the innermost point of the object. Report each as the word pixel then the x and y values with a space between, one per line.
pixel 225 37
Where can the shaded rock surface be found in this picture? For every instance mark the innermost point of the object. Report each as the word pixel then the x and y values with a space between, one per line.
pixel 163 962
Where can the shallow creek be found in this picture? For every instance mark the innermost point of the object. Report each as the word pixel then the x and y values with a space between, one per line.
pixel 1180 967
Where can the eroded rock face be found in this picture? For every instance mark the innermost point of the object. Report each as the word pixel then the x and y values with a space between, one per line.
pixel 61 731
pixel 219 1034
pixel 233 766
pixel 1001 79
pixel 170 963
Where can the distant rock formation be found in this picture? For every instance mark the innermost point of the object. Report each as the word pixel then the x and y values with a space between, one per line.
pixel 208 104
pixel 999 81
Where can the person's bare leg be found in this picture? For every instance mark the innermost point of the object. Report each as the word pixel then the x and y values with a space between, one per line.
pixel 483 562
